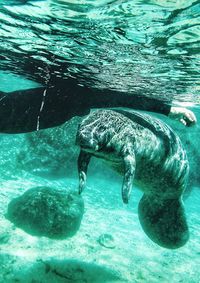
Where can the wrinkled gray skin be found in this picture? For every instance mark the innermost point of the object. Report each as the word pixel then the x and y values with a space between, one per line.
pixel 147 153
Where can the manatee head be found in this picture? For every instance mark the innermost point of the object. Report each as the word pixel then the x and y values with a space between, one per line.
pixel 92 134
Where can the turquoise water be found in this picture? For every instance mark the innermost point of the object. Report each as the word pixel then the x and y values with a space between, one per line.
pixel 150 45
pixel 133 256
pixel 150 48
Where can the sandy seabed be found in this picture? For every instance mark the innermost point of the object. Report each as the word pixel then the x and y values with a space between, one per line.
pixel 132 256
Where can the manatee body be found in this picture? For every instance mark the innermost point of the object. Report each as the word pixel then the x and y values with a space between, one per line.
pixel 148 153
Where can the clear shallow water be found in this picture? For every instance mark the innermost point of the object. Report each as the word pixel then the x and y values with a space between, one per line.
pixel 43 159
pixel 82 259
pixel 145 47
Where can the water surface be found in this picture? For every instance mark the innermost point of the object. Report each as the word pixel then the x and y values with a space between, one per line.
pixel 145 47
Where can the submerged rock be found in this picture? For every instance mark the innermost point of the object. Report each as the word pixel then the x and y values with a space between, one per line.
pixel 107 241
pixel 50 151
pixel 46 211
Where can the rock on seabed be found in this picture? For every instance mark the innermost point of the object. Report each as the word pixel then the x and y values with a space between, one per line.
pixel 45 211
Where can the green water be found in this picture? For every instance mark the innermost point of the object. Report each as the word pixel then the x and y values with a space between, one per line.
pixel 150 48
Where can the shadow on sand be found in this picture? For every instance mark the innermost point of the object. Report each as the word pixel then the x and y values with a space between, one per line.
pixel 68 271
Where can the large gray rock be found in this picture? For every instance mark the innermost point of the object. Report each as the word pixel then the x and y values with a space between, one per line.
pixel 45 211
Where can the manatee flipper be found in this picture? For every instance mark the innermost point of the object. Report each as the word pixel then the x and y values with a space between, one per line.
pixel 129 172
pixel 164 221
pixel 83 161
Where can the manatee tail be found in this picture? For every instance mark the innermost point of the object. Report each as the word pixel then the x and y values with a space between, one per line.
pixel 164 221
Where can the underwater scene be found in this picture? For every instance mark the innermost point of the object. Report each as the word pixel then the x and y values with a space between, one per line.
pixel 99 135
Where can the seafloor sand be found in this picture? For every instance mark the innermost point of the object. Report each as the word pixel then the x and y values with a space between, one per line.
pixel 134 258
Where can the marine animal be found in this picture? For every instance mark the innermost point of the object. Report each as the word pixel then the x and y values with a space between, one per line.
pixel 148 153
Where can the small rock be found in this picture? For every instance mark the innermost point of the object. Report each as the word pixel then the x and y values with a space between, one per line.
pixel 107 241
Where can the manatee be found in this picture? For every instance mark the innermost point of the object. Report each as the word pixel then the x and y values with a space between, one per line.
pixel 149 154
